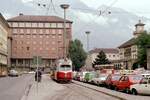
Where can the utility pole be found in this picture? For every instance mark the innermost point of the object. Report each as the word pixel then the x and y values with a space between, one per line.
pixel 65 6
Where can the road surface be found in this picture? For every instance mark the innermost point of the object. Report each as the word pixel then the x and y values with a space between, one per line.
pixel 13 88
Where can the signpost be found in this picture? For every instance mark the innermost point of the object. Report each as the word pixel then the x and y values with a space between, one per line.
pixel 37 60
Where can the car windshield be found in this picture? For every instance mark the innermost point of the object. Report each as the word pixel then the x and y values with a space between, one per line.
pixel 65 68
pixel 116 77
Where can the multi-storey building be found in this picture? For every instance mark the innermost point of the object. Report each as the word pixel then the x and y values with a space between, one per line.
pixel 128 51
pixel 38 36
pixel 4 31
pixel 112 55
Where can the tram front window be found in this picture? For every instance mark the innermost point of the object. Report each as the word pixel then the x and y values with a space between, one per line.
pixel 65 68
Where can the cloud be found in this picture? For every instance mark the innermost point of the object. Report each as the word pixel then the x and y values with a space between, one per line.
pixel 26 1
pixel 91 18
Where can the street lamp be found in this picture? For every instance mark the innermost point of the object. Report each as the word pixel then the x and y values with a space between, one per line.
pixel 87 33
pixel 65 6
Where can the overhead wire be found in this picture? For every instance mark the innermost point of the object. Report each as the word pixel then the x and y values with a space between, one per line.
pixel 94 19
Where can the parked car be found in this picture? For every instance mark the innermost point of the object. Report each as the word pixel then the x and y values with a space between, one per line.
pixel 142 88
pixel 13 73
pixel 100 80
pixel 82 75
pixel 126 81
pixel 89 76
pixel 111 80
pixel 31 72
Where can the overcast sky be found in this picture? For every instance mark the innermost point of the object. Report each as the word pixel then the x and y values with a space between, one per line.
pixel 79 14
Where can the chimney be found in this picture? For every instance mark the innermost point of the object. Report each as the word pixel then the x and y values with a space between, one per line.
pixel 20 14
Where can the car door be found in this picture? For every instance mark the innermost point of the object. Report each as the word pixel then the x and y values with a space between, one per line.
pixel 121 83
pixel 142 88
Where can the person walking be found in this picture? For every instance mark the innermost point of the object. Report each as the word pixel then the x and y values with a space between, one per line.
pixel 38 76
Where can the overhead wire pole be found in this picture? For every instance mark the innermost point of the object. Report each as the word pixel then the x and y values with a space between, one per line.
pixel 65 6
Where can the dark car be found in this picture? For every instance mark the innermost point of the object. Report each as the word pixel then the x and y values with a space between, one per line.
pixel 126 81
pixel 111 80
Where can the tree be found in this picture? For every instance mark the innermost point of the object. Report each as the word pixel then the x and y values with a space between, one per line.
pixel 142 42
pixel 101 59
pixel 77 54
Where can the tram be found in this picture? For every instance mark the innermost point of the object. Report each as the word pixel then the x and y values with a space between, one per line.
pixel 63 71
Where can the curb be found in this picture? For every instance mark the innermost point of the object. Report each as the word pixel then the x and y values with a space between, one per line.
pixel 120 98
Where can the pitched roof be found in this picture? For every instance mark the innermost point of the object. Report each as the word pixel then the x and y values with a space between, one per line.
pixel 36 18
pixel 128 43
pixel 106 50
pixel 3 19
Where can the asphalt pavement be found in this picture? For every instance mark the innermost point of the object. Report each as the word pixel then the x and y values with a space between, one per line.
pixel 13 88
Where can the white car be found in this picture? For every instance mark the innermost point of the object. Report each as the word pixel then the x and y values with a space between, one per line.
pixel 13 73
pixel 142 88
pixel 100 80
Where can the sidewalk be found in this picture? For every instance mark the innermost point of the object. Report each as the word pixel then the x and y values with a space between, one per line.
pixel 46 89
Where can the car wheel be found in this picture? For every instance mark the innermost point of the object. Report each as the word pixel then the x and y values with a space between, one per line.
pixel 127 90
pixel 134 92
pixel 115 88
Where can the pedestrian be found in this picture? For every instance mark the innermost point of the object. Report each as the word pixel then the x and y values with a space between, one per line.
pixel 38 76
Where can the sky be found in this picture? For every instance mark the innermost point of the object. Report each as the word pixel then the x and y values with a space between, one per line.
pixel 139 7
pixel 79 10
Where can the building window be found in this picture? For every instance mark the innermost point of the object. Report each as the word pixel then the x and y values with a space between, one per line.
pixel 34 24
pixel 28 48
pixel 40 42
pixel 53 48
pixel 21 24
pixel 34 30
pixel 40 24
pixel 40 31
pixel 21 31
pixel 67 25
pixel 21 36
pixel 34 36
pixel 41 48
pixel 59 25
pixel 28 30
pixel 15 24
pixel 47 24
pixel 28 24
pixel 53 37
pixel 53 42
pixel 34 42
pixel 53 25
pixel 28 42
pixel 47 31
pixel 53 31
pixel 14 30
pixel 47 36
pixel 47 42
pixel 60 32
pixel 41 36
pixel 28 36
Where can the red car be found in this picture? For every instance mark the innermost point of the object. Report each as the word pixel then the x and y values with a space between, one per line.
pixel 111 80
pixel 126 81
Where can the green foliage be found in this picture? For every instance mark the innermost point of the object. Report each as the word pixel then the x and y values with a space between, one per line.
pixel 77 54
pixel 142 42
pixel 101 59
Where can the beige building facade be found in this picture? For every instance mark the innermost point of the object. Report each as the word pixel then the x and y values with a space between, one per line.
pixel 128 51
pixel 4 31
pixel 38 36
